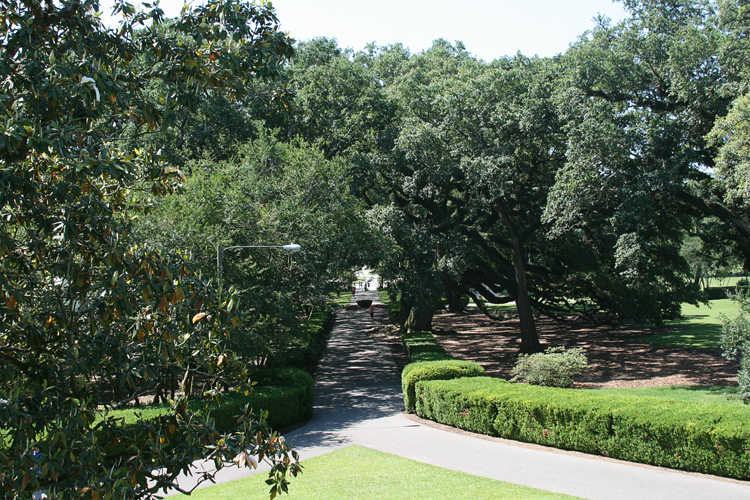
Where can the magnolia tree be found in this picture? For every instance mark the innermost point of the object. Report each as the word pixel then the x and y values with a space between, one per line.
pixel 88 321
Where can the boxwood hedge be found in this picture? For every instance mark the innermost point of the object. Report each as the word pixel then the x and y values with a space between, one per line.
pixel 422 346
pixel 434 370
pixel 707 438
pixel 429 361
pixel 286 393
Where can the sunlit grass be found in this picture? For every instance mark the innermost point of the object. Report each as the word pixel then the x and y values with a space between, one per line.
pixel 716 394
pixel 730 281
pixel 364 474
pixel 700 326
pixel 342 299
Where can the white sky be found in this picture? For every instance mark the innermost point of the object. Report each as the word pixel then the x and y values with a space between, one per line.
pixel 488 28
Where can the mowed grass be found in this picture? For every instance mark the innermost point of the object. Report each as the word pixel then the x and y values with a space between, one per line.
pixel 730 281
pixel 364 474
pixel 342 299
pixel 509 307
pixel 700 326
pixel 714 394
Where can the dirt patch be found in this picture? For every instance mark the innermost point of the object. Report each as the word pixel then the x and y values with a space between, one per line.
pixel 615 358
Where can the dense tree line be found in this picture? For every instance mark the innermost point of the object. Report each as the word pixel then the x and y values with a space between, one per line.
pixel 561 184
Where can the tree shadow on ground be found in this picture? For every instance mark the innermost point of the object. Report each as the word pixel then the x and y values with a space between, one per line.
pixel 614 352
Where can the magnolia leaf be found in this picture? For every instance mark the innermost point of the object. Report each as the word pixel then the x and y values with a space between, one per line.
pixel 198 317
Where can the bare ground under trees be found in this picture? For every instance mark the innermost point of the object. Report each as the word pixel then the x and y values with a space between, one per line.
pixel 616 358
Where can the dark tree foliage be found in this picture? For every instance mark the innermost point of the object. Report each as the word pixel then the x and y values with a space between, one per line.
pixel 89 321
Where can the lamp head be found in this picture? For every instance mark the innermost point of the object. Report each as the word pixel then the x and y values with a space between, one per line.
pixel 291 248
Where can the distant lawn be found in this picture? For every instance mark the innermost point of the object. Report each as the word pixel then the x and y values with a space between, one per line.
pixel 700 326
pixel 724 282
pixel 698 394
pixel 342 299
pixel 364 474
pixel 509 307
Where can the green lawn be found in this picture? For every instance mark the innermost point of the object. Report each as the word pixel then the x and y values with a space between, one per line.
pixel 364 474
pixel 699 327
pixel 723 282
pixel 342 299
pixel 509 307
pixel 697 394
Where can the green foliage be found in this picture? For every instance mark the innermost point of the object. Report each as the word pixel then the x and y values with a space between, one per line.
pixel 281 398
pixel 87 316
pixel 555 367
pixel 422 346
pixel 291 377
pixel 286 394
pixel 274 192
pixel 434 370
pixel 696 393
pixel 703 437
pixel 732 134
pixel 735 341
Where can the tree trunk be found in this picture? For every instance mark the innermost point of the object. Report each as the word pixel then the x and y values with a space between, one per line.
pixel 529 338
pixel 420 319
pixel 454 300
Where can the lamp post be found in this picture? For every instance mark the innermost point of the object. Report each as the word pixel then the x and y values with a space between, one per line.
pixel 291 248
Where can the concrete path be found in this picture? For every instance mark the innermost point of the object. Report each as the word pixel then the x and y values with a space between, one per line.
pixel 358 401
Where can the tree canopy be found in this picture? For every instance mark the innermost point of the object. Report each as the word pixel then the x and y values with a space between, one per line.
pixel 87 317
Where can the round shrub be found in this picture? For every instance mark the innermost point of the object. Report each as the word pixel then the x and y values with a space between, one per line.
pixel 556 367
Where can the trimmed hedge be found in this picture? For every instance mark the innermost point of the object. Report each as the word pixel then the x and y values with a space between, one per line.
pixel 707 438
pixel 422 346
pixel 434 370
pixel 286 393
pixel 290 377
pixel 429 361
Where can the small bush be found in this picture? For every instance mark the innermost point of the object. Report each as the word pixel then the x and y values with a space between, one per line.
pixel 434 370
pixel 556 367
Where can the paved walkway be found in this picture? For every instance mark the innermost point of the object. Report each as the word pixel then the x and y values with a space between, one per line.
pixel 358 401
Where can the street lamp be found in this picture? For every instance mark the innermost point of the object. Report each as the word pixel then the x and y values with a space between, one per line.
pixel 291 248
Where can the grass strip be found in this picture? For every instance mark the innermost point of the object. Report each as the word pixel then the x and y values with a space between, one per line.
pixel 714 394
pixel 364 474
pixel 700 326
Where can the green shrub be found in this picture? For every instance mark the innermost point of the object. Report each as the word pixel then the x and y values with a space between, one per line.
pixel 702 437
pixel 286 393
pixel 717 292
pixel 434 370
pixel 555 367
pixel 422 346
pixel 735 341
pixel 290 377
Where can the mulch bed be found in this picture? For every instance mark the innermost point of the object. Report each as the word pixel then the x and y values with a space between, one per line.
pixel 615 358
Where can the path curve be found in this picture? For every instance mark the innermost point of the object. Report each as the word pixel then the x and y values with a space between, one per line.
pixel 358 401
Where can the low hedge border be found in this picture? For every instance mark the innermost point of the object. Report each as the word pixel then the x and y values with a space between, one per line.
pixel 422 346
pixel 706 438
pixel 286 393
pixel 434 370
pixel 429 361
